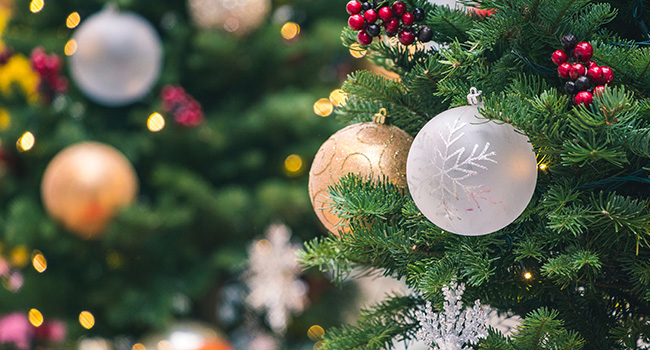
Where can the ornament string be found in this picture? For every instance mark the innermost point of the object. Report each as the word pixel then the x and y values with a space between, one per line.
pixel 617 181
pixel 638 11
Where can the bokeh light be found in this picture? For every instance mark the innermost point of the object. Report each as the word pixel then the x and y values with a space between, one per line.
pixel 86 319
pixel 39 262
pixel 165 345
pixel 35 317
pixel 528 275
pixel 70 47
pixel 156 122
pixel 293 164
pixel 138 346
pixel 357 51
pixel 323 107
pixel 73 20
pixel 36 5
pixel 19 256
pixel 290 30
pixel 338 97
pixel 26 142
pixel 543 167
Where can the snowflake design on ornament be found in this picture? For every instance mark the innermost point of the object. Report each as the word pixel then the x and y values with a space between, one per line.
pixel 450 168
pixel 272 278
pixel 452 329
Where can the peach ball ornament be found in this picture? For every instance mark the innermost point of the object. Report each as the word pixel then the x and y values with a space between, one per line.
pixel 370 150
pixel 85 185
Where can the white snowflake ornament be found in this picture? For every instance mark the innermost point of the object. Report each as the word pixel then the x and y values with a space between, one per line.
pixel 273 278
pixel 454 328
pixel 470 176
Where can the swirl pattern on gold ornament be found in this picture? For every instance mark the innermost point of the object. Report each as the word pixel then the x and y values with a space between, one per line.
pixel 85 185
pixel 369 150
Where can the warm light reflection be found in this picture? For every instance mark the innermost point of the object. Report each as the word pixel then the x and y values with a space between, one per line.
pixel 5 120
pixel 36 5
pixel 114 260
pixel 293 164
pixel 138 346
pixel 318 345
pixel 338 97
pixel 543 166
pixel 165 345
pixel 73 20
pixel 528 275
pixel 26 142
pixel 19 256
pixel 315 332
pixel 39 262
pixel 263 246
pixel 86 319
pixel 323 107
pixel 35 317
pixel 70 47
pixel 156 122
pixel 290 30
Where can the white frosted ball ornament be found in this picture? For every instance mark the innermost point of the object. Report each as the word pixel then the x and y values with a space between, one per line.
pixel 470 176
pixel 118 57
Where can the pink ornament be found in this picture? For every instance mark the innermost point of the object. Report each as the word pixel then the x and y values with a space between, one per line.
pixel 15 328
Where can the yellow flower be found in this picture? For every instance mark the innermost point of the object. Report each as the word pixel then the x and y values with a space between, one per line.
pixel 18 70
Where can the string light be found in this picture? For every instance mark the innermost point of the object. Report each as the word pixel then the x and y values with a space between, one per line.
pixel 293 164
pixel 323 107
pixel 338 97
pixel 70 47
pixel 38 261
pixel 26 142
pixel 543 167
pixel 35 317
pixel 357 51
pixel 528 275
pixel 156 122
pixel 73 20
pixel 315 332
pixel 290 30
pixel 86 319
pixel 36 5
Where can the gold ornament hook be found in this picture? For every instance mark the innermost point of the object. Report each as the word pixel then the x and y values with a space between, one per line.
pixel 381 117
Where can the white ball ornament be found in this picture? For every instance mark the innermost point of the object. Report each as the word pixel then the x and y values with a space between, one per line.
pixel 470 176
pixel 118 57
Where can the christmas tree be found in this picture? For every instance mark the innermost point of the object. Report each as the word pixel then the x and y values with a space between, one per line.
pixel 533 199
pixel 219 137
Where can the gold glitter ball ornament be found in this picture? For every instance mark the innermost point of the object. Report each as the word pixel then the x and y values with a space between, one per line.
pixel 85 185
pixel 236 16
pixel 370 150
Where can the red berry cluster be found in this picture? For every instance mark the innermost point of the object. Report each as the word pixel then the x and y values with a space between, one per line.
pixel 369 18
pixel 186 110
pixel 586 78
pixel 48 68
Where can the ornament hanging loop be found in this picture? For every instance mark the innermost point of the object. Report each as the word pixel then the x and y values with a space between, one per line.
pixel 381 117
pixel 474 96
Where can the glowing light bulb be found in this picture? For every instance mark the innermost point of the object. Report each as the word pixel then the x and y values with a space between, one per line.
pixel 86 319
pixel 315 332
pixel 323 107
pixel 26 142
pixel 138 346
pixel 528 275
pixel 36 5
pixel 35 317
pixel 39 262
pixel 293 164
pixel 338 97
pixel 73 20
pixel 156 122
pixel 290 30
pixel 543 166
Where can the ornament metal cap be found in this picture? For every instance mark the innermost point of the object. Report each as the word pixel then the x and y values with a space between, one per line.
pixel 381 117
pixel 474 96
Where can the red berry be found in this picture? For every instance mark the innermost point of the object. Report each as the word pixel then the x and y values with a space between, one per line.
pixel 608 75
pixel 595 74
pixel 559 57
pixel 385 13
pixel 392 26
pixel 408 19
pixel 583 51
pixel 353 7
pixel 364 38
pixel 577 70
pixel 406 37
pixel 590 64
pixel 399 7
pixel 599 90
pixel 583 97
pixel 370 16
pixel 563 70
pixel 356 22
